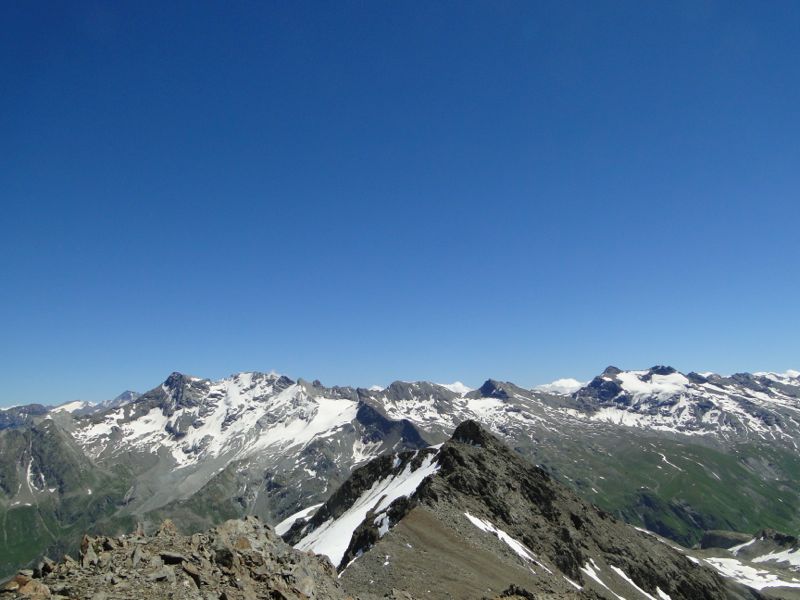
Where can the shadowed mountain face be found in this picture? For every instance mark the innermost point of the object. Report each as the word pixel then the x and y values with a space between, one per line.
pixel 676 454
pixel 474 517
pixel 50 493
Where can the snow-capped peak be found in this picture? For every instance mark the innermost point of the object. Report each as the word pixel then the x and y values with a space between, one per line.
pixel 457 387
pixel 73 406
pixel 565 386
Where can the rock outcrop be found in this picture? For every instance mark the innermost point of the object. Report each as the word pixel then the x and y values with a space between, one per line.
pixel 239 560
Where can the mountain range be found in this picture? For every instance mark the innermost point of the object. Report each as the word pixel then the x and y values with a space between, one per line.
pixel 678 455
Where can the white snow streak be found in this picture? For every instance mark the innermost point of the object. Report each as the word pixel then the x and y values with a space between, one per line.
pixel 333 536
pixel 518 547
pixel 304 514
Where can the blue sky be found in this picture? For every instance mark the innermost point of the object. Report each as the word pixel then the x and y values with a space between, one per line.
pixel 363 192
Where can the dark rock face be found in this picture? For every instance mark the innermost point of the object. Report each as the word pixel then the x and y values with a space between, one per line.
pixel 599 390
pixel 696 378
pixel 21 416
pixel 723 539
pixel 781 539
pixel 238 559
pixel 382 428
pixel 493 389
pixel 662 370
pixel 470 432
pixel 400 390
pixel 180 393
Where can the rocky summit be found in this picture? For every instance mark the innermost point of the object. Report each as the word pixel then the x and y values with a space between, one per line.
pixel 238 560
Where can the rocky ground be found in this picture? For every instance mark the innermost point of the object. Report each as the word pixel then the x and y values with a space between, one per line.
pixel 239 560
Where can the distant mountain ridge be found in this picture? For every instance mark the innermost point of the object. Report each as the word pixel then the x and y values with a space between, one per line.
pixel 677 454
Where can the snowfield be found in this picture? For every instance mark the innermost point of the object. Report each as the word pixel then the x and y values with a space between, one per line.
pixel 333 537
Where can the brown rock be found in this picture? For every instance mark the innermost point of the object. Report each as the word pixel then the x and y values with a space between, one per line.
pixel 162 574
pixel 167 529
pixel 34 590
pixel 242 543
pixel 193 572
pixel 89 557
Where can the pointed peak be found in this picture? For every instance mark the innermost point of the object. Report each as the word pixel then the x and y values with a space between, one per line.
pixel 175 380
pixel 698 377
pixel 472 433
pixel 493 389
pixel 399 385
pixel 456 387
pixel 562 387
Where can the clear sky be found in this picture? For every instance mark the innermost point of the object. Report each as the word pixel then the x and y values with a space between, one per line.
pixel 368 191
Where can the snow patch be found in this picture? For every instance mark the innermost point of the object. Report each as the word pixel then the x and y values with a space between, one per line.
pixel 304 514
pixel 735 549
pixel 591 569
pixel 791 556
pixel 661 386
pixel 562 387
pixel 572 583
pixel 332 537
pixel 71 407
pixel 750 576
pixel 457 387
pixel 518 547
pixel 630 582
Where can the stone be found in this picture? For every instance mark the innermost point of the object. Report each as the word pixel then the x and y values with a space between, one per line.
pixel 89 557
pixel 138 556
pixel 34 590
pixel 172 558
pixel 162 574
pixel 167 529
pixel 242 543
pixel 193 572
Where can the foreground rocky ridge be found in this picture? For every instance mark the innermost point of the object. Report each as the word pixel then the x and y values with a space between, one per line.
pixel 240 559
